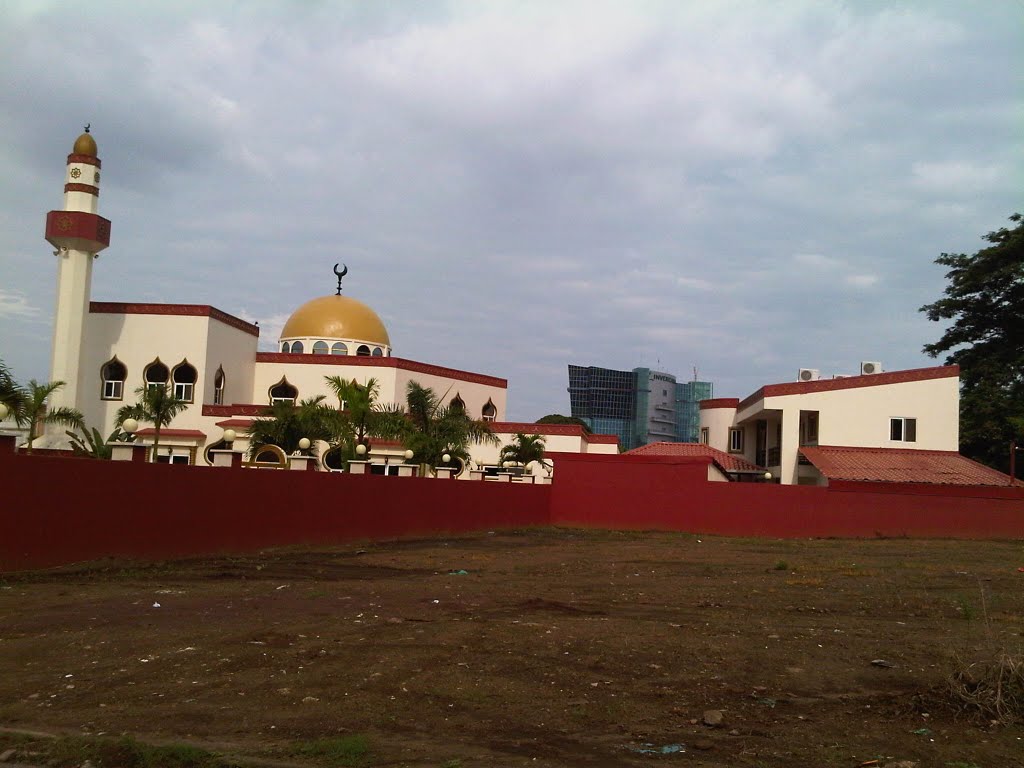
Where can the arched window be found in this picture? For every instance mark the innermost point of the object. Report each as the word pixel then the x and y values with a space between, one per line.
pixel 156 374
pixel 363 351
pixel 218 387
pixel 184 377
pixel 297 348
pixel 457 403
pixel 339 349
pixel 283 392
pixel 320 348
pixel 285 347
pixel 489 412
pixel 114 373
pixel 378 352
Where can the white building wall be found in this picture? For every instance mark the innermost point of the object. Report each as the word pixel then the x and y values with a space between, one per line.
pixel 233 350
pixel 718 421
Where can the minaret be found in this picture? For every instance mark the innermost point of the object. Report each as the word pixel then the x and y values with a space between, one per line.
pixel 78 233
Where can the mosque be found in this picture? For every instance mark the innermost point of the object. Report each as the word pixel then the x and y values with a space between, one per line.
pixel 105 351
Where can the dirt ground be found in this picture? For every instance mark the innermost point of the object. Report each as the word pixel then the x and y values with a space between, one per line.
pixel 533 648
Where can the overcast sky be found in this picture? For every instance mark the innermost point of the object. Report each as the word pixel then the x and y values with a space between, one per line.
pixel 744 187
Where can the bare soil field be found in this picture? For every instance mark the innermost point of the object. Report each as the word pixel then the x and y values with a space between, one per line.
pixel 545 647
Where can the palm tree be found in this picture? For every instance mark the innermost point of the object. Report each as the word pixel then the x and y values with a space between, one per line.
pixel 523 449
pixel 157 405
pixel 285 424
pixel 361 417
pixel 11 394
pixel 433 429
pixel 35 413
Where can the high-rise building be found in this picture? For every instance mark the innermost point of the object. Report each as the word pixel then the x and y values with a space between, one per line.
pixel 640 406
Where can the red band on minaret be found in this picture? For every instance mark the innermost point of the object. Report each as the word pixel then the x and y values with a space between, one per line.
pixel 82 188
pixel 86 159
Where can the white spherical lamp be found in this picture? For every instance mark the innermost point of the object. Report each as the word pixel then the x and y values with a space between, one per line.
pixel 767 475
pixel 131 426
pixel 446 458
pixel 4 410
pixel 361 450
pixel 409 454
pixel 229 435
pixel 304 444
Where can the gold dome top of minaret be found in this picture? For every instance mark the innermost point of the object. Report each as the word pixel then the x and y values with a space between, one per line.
pixel 85 144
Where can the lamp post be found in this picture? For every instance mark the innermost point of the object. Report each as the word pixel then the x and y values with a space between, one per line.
pixel 304 444
pixel 409 454
pixel 360 450
pixel 130 427
pixel 229 436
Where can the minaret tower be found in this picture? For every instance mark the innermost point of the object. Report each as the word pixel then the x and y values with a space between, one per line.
pixel 79 234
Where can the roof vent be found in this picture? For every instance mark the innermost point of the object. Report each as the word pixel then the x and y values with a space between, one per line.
pixel 870 367
pixel 808 374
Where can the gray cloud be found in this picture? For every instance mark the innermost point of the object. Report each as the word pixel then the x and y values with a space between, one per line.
pixel 516 186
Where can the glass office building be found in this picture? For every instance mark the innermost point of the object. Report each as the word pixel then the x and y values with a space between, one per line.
pixel 639 406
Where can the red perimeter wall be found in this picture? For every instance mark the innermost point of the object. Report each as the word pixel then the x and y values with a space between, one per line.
pixel 54 511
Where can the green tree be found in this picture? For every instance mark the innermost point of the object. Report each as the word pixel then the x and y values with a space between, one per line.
pixel 433 429
pixel 285 424
pixel 92 444
pixel 157 405
pixel 557 418
pixel 984 298
pixel 36 414
pixel 523 449
pixel 360 416
pixel 11 394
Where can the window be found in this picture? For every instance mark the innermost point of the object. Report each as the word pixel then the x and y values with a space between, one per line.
pixel 457 403
pixel 735 440
pixel 283 392
pixel 297 348
pixel 320 348
pixel 285 347
pixel 156 374
pixel 218 387
pixel 489 412
pixel 184 378
pixel 903 430
pixel 378 352
pixel 705 435
pixel 114 373
pixel 808 427
pixel 339 349
pixel 363 351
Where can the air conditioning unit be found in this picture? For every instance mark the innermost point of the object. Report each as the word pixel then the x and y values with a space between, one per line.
pixel 808 374
pixel 868 368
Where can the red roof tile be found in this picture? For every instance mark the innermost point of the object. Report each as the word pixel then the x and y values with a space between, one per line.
pixel 851 382
pixel 150 432
pixel 726 461
pixel 900 465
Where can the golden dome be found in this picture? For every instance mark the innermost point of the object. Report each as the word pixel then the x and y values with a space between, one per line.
pixel 336 317
pixel 85 145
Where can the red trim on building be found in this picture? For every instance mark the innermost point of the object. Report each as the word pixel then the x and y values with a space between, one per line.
pixel 77 230
pixel 74 187
pixel 852 382
pixel 719 402
pixel 85 160
pixel 381 362
pixel 232 423
pixel 235 409
pixel 193 433
pixel 187 310
pixel 568 430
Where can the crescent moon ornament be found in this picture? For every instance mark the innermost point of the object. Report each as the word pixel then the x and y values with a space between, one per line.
pixel 340 275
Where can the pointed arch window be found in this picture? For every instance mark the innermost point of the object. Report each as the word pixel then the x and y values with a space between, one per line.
pixel 184 377
pixel 489 412
pixel 457 403
pixel 363 351
pixel 156 374
pixel 339 348
pixel 283 392
pixel 320 348
pixel 114 374
pixel 218 387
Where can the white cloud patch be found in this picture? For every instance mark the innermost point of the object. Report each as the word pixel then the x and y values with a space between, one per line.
pixel 861 281
pixel 16 304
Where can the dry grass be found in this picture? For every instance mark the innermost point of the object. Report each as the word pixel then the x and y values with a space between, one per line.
pixel 989 691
